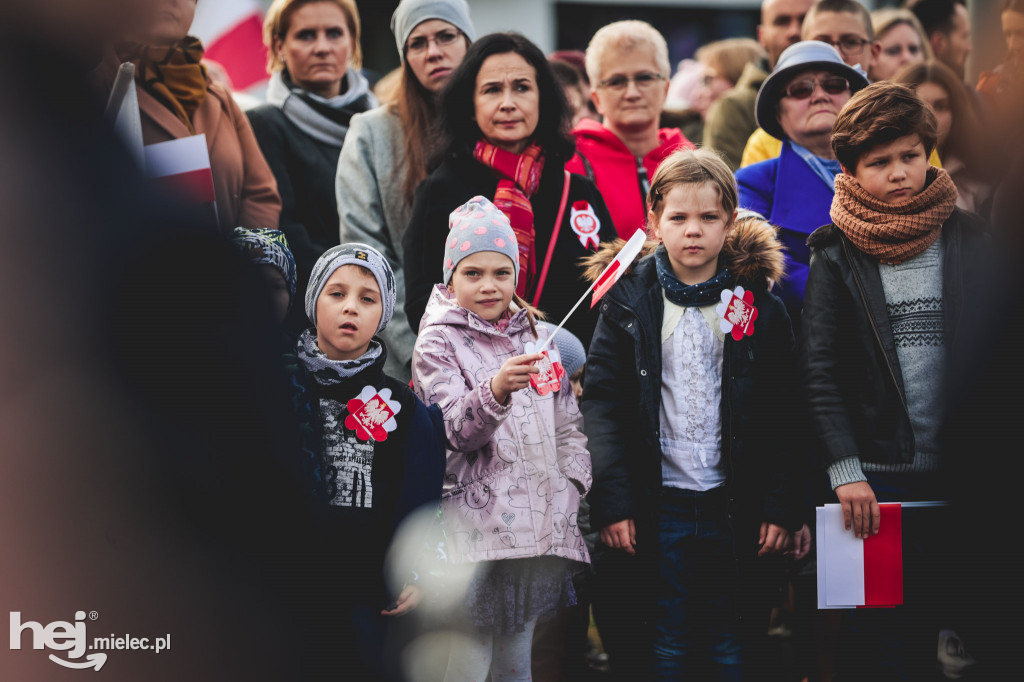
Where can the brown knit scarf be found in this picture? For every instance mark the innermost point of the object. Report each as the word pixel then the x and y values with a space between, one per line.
pixel 893 233
pixel 178 80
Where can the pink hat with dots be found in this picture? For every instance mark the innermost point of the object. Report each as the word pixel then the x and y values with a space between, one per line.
pixel 478 225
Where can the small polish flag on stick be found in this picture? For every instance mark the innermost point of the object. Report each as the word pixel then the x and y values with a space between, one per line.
pixel 232 35
pixel 182 169
pixel 610 276
pixel 856 572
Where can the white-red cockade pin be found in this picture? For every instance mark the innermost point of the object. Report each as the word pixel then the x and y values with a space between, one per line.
pixel 737 313
pixel 551 371
pixel 585 224
pixel 371 414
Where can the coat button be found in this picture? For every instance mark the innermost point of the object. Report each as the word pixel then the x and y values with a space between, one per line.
pixel 604 306
pixel 643 372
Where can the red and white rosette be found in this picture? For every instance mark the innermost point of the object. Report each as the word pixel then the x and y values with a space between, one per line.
pixel 371 414
pixel 551 371
pixel 737 313
pixel 585 224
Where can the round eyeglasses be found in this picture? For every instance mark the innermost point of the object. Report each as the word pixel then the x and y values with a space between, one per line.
pixel 847 45
pixel 442 39
pixel 643 80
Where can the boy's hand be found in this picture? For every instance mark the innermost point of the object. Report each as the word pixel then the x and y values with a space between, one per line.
pixel 800 543
pixel 621 535
pixel 407 601
pixel 860 508
pixel 772 539
pixel 514 375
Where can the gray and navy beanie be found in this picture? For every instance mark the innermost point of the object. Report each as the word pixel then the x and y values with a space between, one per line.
pixel 478 225
pixel 364 256
pixel 264 246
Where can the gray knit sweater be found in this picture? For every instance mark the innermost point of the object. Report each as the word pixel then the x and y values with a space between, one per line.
pixel 913 299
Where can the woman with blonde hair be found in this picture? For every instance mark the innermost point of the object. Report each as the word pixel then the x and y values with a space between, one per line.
pixel 315 89
pixel 387 150
pixel 899 41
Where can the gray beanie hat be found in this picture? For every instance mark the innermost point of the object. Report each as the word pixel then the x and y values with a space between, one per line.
pixel 478 225
pixel 412 13
pixel 364 256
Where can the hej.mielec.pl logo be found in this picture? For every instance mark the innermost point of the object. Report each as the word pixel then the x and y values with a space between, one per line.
pixel 71 638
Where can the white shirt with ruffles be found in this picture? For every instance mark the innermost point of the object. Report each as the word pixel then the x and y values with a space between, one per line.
pixel 691 396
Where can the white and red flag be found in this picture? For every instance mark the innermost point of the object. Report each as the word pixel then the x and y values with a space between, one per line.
pixel 854 572
pixel 618 267
pixel 627 254
pixel 232 36
pixel 182 169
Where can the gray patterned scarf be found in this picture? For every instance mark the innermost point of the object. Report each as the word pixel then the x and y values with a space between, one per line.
pixel 327 372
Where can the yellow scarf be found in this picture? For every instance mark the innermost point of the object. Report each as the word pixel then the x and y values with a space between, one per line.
pixel 178 80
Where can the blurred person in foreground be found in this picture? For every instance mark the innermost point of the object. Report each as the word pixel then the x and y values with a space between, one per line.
pixel 147 475
pixel 177 99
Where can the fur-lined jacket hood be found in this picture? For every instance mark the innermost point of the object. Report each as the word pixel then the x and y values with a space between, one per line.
pixel 752 252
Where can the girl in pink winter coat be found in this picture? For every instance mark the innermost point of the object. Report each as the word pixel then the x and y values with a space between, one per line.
pixel 518 463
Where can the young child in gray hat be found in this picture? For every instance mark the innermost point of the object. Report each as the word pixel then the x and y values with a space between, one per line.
pixel 373 451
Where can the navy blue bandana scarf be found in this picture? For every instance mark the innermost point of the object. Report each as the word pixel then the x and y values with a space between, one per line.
pixel 690 295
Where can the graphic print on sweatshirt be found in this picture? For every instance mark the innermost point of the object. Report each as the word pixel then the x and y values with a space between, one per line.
pixel 349 460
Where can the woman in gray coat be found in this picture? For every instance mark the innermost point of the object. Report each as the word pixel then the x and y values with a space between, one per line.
pixel 385 153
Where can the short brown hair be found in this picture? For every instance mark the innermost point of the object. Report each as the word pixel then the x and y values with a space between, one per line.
pixel 279 18
pixel 692 166
pixel 730 56
pixel 879 114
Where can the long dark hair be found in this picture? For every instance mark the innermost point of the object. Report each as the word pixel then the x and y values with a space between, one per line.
pixel 966 140
pixel 458 122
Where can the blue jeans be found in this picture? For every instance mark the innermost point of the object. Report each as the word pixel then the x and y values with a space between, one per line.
pixel 696 634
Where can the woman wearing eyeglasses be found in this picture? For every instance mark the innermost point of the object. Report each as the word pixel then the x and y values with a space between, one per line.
pixel 505 127
pixel 315 89
pixel 385 154
pixel 627 63
pixel 798 103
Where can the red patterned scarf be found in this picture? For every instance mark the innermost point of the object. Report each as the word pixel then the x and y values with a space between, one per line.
pixel 518 179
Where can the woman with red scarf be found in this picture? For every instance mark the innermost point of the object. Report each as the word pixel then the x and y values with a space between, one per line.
pixel 506 127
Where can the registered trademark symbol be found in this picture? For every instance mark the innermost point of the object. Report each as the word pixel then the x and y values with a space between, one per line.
pixel 93 615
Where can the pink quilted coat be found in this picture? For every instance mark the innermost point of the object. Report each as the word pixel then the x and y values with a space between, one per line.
pixel 517 472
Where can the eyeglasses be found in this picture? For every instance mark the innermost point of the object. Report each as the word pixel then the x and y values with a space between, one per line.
pixel 643 80
pixel 848 45
pixel 442 39
pixel 804 88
